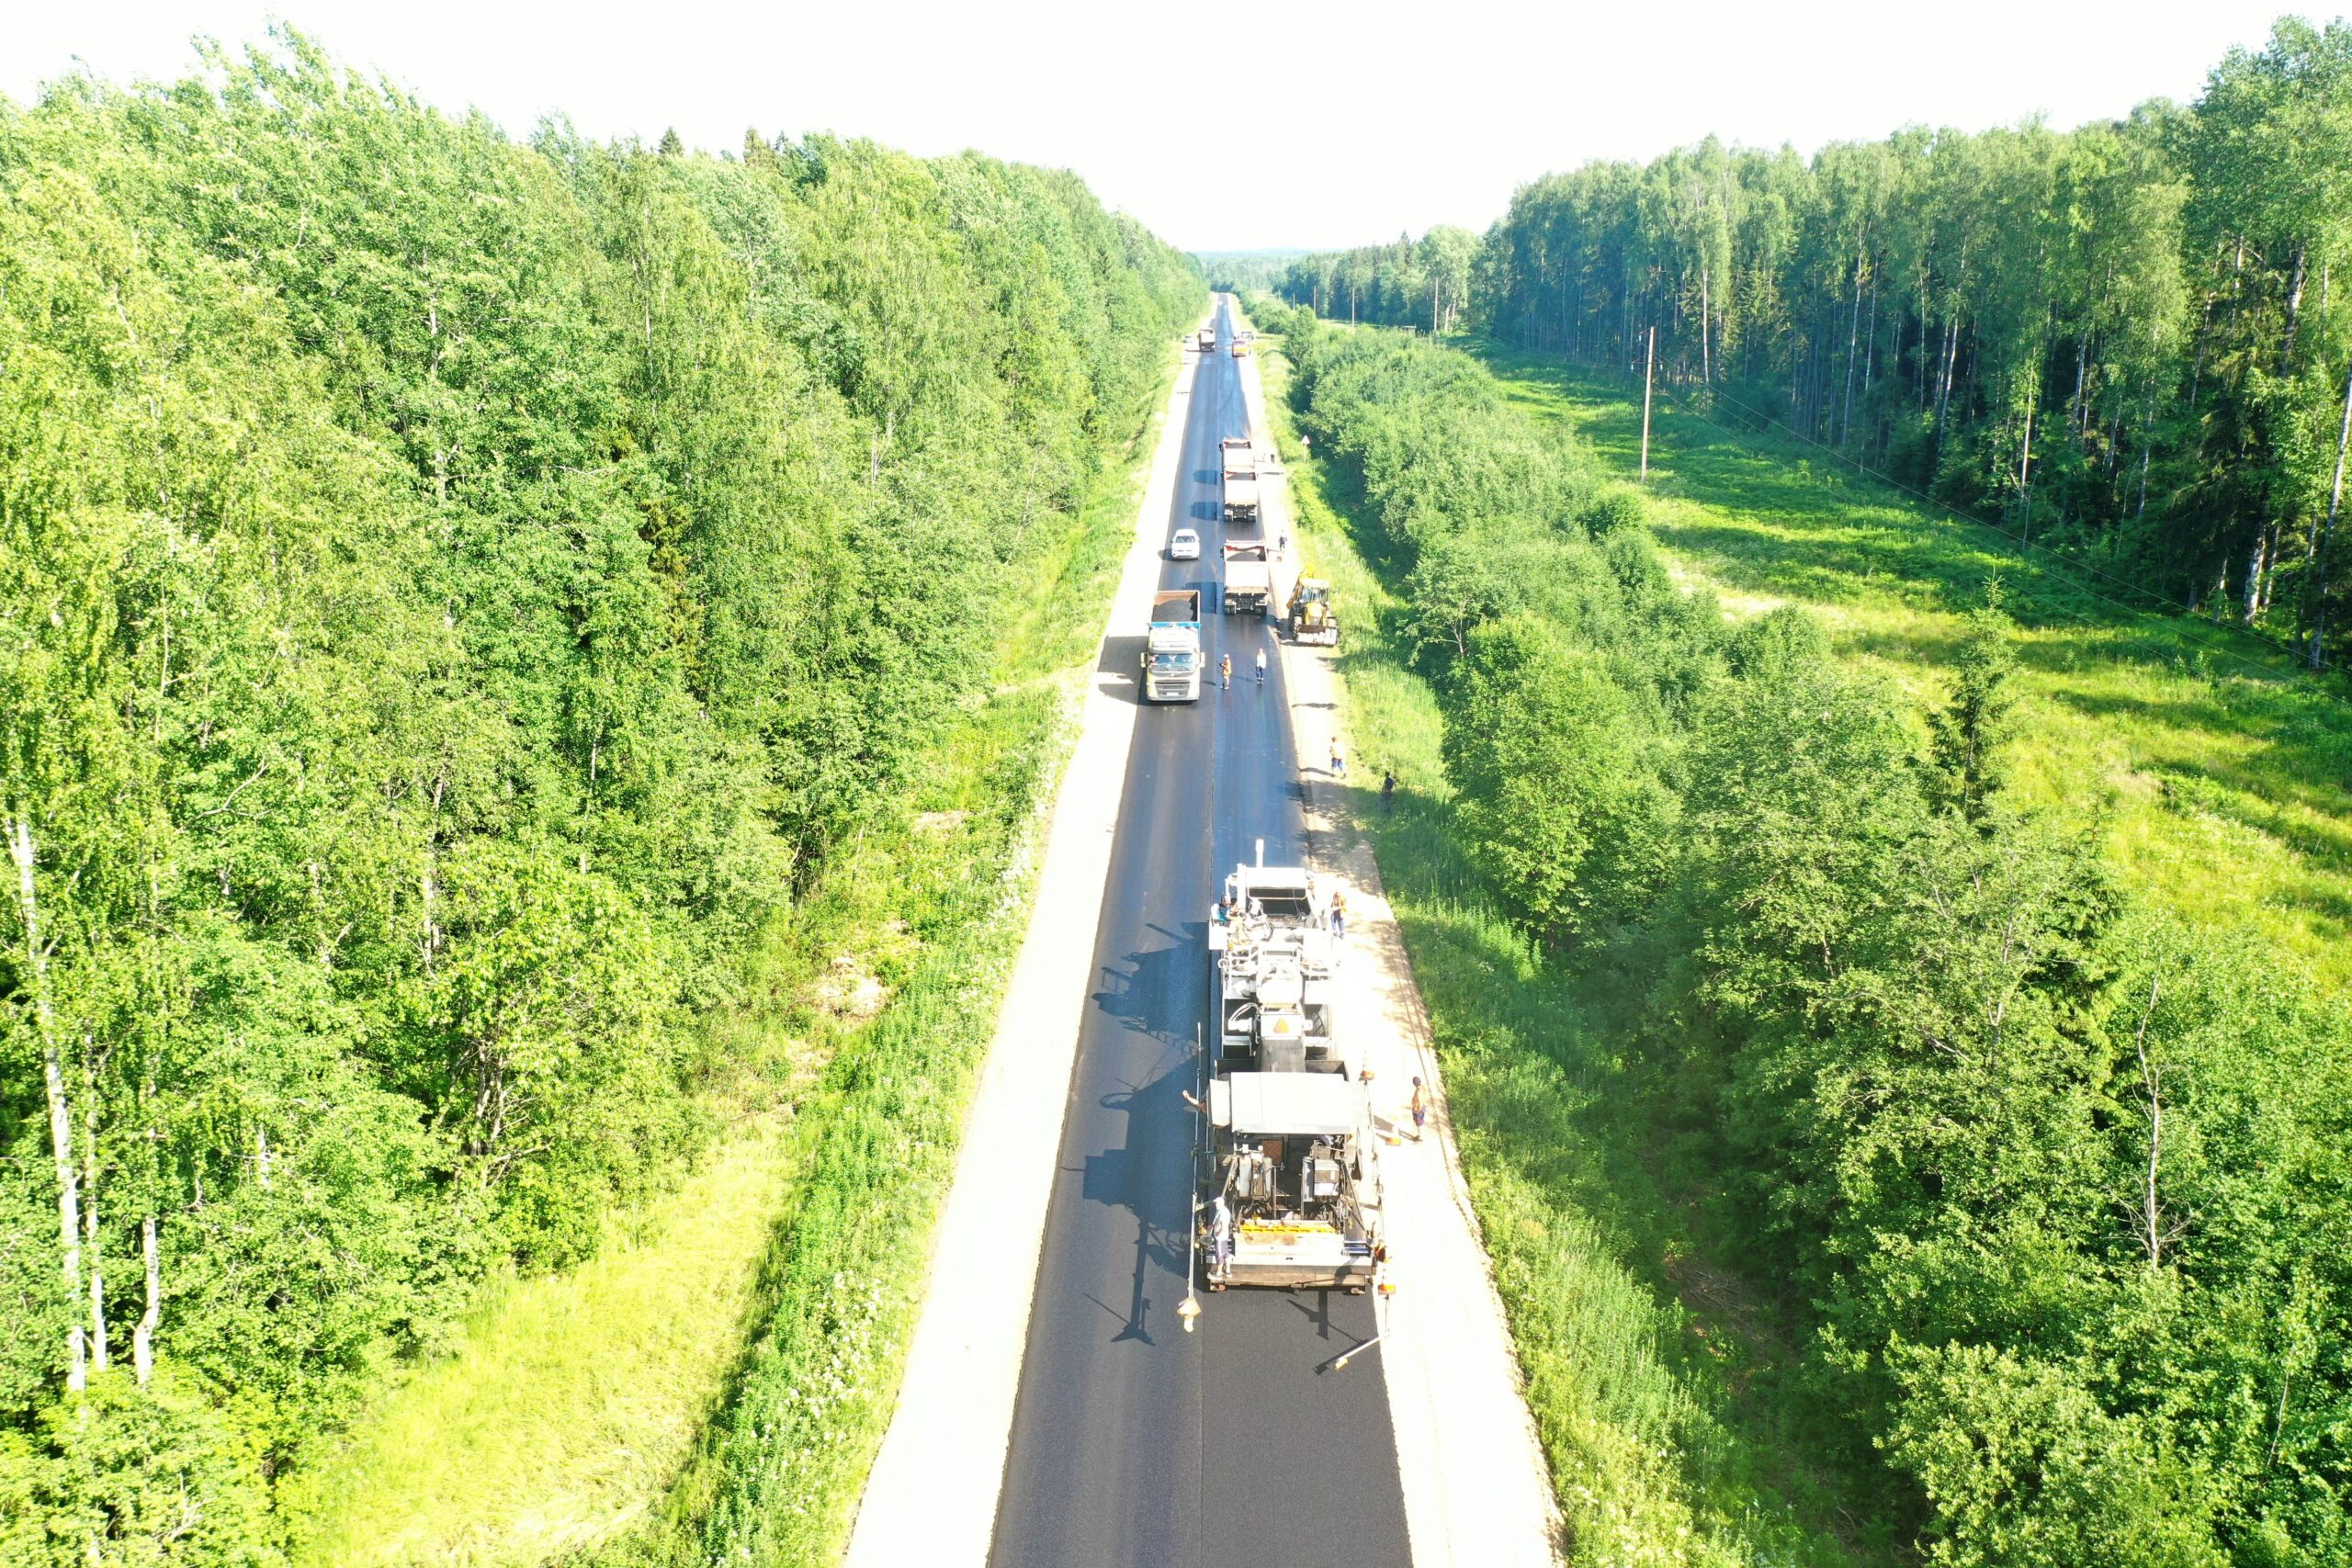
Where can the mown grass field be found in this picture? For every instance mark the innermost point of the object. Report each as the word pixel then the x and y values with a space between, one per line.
pixel 612 1408
pixel 1654 1380
pixel 2218 777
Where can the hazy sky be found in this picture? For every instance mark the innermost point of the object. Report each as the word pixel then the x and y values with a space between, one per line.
pixel 1350 122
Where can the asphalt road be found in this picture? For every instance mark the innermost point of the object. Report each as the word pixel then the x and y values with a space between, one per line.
pixel 1135 1443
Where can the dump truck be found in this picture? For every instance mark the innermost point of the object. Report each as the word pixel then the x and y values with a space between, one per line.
pixel 1241 474
pixel 1289 1191
pixel 1207 340
pixel 1171 647
pixel 1313 617
pixel 1249 585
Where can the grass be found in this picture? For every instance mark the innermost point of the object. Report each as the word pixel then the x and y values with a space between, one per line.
pixel 571 1403
pixel 1654 1380
pixel 716 1381
pixel 2218 777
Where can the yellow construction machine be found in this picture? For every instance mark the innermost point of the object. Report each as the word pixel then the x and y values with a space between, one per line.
pixel 1313 616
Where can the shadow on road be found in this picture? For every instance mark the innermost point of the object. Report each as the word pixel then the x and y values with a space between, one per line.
pixel 1160 992
pixel 1149 1175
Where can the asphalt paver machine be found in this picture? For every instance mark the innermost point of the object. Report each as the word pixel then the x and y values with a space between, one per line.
pixel 1289 1165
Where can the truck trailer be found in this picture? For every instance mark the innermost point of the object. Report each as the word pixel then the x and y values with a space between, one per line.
pixel 1249 586
pixel 1240 478
pixel 1171 649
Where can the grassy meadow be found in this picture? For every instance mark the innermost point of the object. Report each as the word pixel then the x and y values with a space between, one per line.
pixel 2218 776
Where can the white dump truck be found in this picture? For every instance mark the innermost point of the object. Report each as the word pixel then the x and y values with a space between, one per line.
pixel 1290 1192
pixel 1171 649
pixel 1249 585
pixel 1207 340
pixel 1240 472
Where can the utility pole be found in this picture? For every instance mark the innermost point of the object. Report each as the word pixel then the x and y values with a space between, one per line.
pixel 1649 378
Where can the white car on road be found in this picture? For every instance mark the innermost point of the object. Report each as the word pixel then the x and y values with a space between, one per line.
pixel 1183 544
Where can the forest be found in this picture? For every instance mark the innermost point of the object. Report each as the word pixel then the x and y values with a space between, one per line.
pixel 2123 341
pixel 457 594
pixel 2016 1201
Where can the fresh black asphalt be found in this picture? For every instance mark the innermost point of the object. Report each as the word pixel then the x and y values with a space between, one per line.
pixel 1135 1445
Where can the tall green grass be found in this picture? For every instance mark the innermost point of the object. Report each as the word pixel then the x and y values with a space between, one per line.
pixel 1654 1380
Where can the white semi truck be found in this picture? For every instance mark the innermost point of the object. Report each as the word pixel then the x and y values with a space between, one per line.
pixel 1290 1192
pixel 1171 647
pixel 1240 472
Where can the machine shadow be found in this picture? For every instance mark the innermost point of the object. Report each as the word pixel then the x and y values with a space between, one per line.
pixel 1150 1175
pixel 1162 992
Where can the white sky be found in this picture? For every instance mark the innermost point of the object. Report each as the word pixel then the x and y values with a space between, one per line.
pixel 1357 120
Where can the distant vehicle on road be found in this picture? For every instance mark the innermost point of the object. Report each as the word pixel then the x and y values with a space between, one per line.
pixel 1208 340
pixel 1241 348
pixel 1183 544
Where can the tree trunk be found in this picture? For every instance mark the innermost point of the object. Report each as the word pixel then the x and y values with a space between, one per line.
pixel 2025 472
pixel 60 1110
pixel 2327 530
pixel 1853 345
pixel 2077 412
pixel 92 1241
pixel 1870 353
pixel 2294 307
pixel 143 1338
pixel 1648 376
pixel 1943 393
pixel 1706 355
